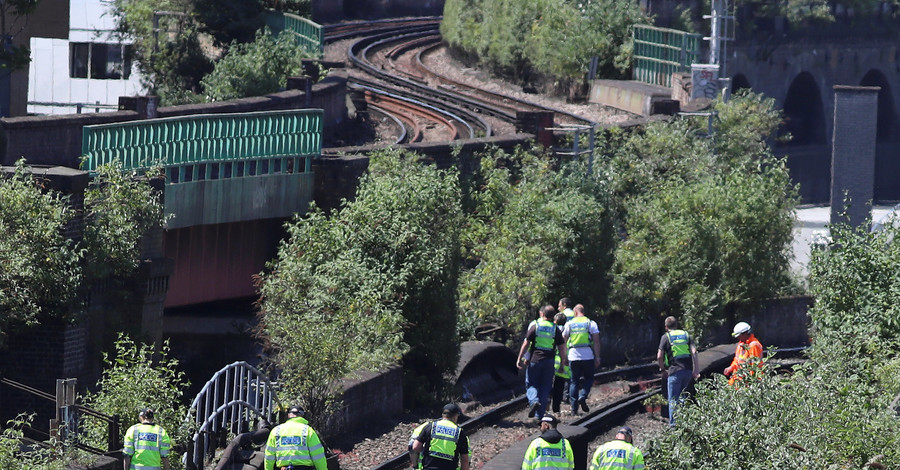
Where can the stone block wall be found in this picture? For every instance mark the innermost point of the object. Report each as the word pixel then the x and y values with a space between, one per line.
pixel 368 396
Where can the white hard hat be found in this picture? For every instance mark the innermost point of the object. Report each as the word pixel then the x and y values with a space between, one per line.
pixel 741 327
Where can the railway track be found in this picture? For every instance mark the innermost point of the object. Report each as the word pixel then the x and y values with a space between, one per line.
pixel 594 422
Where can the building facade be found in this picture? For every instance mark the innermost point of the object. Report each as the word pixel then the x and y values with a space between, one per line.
pixel 85 72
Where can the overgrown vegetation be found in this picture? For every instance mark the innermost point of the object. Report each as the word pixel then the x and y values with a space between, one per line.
pixel 535 233
pixel 255 68
pixel 834 411
pixel 370 285
pixel 136 376
pixel 552 38
pixel 46 265
pixel 15 455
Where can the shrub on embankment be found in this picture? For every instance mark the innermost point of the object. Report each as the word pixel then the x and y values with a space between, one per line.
pixel 669 219
pixel 835 411
pixel 556 39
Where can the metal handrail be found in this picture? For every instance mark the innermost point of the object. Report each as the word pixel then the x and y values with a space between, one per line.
pixel 659 52
pixel 237 386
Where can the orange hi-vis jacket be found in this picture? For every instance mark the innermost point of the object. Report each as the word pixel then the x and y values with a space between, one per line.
pixel 743 352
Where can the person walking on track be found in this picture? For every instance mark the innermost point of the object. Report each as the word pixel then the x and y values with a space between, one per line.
pixel 549 451
pixel 543 340
pixel 147 444
pixel 295 445
pixel 677 360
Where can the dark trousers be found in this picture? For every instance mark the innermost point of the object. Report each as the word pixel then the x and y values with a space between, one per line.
pixel 560 385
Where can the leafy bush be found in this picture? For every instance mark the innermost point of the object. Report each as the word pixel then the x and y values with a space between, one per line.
pixel 121 207
pixel 14 454
pixel 708 218
pixel 556 38
pixel 40 270
pixel 695 247
pixel 535 234
pixel 254 69
pixel 371 284
pixel 136 376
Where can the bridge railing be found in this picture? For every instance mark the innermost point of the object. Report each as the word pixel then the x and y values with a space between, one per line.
pixel 307 34
pixel 205 146
pixel 220 168
pixel 660 52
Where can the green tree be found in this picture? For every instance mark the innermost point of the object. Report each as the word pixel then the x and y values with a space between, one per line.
pixel 535 234
pixel 120 209
pixel 552 38
pixel 695 247
pixel 40 270
pixel 137 376
pixel 255 68
pixel 369 285
pixel 46 265
pixel 569 34
pixel 166 44
pixel 708 218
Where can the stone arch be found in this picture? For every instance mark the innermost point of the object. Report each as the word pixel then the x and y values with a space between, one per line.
pixel 888 129
pixel 739 82
pixel 804 113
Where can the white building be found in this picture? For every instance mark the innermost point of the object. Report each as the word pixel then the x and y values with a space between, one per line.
pixel 87 72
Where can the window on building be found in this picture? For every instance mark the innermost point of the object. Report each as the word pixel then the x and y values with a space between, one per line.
pixel 99 60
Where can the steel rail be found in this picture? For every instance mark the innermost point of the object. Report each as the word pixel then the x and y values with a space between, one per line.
pixel 460 115
pixel 403 134
pixel 415 111
pixel 419 63
pixel 359 51
pixel 596 421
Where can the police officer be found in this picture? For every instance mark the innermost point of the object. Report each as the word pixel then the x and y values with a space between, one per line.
pixel 417 463
pixel 542 341
pixel 146 444
pixel 295 445
pixel 550 451
pixel 443 443
pixel 618 453
pixel 677 361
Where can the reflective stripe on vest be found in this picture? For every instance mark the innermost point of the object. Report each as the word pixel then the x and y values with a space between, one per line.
pixel 444 435
pixel 680 344
pixel 543 455
pixel 580 332
pixel 294 444
pixel 147 444
pixel 566 372
pixel 615 454
pixel 545 333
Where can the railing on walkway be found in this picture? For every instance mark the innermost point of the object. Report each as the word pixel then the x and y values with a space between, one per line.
pixel 659 52
pixel 70 416
pixel 230 402
pixel 307 34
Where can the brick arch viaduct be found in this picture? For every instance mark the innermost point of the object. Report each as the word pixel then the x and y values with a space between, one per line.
pixel 800 76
